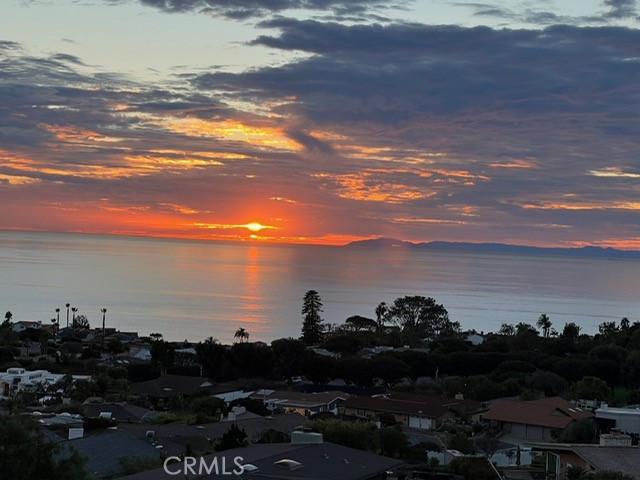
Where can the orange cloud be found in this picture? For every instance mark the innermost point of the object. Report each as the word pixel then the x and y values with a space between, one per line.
pixel 229 129
pixel 438 221
pixel 16 180
pixel 75 134
pixel 560 205
pixel 632 243
pixel 126 166
pixel 464 174
pixel 389 154
pixel 148 164
pixel 513 164
pixel 360 186
pixel 614 172
pixel 284 200
pixel 200 153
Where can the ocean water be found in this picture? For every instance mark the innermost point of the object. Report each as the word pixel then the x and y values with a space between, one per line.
pixel 198 289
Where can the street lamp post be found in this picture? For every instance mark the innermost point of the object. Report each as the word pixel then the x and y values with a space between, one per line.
pixel 68 305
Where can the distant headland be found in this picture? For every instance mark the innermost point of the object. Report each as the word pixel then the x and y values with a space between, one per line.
pixel 587 251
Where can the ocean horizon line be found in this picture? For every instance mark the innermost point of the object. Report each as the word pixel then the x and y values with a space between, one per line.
pixel 376 241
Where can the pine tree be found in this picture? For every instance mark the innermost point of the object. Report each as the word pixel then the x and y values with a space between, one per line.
pixel 312 324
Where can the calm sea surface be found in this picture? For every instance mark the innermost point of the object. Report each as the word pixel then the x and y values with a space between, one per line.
pixel 197 289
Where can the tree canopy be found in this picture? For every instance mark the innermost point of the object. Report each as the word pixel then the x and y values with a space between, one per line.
pixel 421 317
pixel 27 454
pixel 357 323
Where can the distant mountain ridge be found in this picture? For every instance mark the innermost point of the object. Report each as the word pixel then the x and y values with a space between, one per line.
pixel 588 251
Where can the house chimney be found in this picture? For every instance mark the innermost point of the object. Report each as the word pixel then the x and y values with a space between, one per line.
pixel 615 439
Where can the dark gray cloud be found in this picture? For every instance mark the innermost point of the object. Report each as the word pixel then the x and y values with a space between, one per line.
pixel 310 142
pixel 65 57
pixel 379 40
pixel 488 10
pixel 394 73
pixel 522 13
pixel 243 9
pixel 9 45
pixel 613 10
pixel 619 9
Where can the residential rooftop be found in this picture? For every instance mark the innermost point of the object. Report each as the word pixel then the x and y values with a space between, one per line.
pixel 322 461
pixel 553 412
pixel 298 399
pixel 175 437
pixel 624 459
pixel 105 451
pixel 411 404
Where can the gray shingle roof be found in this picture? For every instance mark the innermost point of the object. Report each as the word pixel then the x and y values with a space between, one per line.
pixel 298 399
pixel 325 461
pixel 104 451
pixel 167 386
pixel 621 459
pixel 174 437
pixel 121 412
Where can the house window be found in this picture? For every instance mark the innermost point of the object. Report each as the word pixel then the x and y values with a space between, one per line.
pixel 360 412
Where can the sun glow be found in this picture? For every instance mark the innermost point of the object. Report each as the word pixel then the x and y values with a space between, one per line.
pixel 255 226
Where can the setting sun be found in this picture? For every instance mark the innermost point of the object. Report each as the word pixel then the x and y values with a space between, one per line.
pixel 255 226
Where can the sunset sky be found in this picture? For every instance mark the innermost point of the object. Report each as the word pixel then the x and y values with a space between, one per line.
pixel 323 121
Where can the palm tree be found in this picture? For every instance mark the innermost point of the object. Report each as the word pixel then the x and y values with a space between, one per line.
pixel 545 324
pixel 67 305
pixel 381 315
pixel 104 314
pixel 58 317
pixel 241 334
